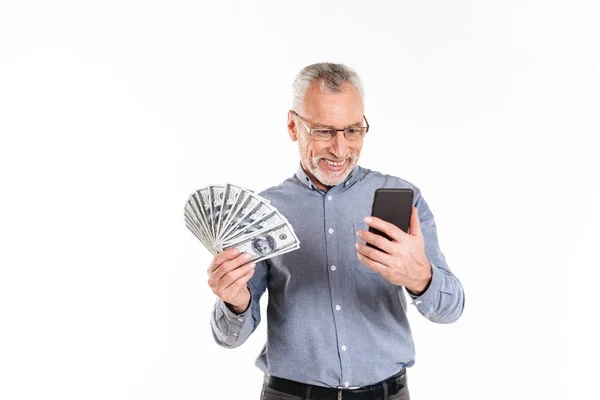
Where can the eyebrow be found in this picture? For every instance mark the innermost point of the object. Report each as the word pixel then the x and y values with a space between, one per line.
pixel 318 125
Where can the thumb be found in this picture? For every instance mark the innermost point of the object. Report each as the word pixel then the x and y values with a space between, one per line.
pixel 414 227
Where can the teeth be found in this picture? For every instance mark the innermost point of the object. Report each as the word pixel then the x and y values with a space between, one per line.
pixel 335 164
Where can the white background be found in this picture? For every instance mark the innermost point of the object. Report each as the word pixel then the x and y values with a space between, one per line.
pixel 112 112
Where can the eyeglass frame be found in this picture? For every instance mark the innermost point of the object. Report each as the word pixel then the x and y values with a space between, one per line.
pixel 332 129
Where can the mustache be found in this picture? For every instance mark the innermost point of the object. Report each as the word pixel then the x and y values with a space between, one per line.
pixel 351 156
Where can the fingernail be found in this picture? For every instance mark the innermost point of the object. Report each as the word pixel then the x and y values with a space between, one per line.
pixel 368 220
pixel 247 256
pixel 251 265
pixel 234 251
pixel 358 233
pixel 356 245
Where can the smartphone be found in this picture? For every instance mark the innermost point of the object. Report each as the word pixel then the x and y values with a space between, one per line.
pixel 392 205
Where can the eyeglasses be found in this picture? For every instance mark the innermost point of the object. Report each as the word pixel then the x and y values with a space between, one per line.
pixel 326 134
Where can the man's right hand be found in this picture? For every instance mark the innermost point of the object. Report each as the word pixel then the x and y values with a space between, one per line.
pixel 228 276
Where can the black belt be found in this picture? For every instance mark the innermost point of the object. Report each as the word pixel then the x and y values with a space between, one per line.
pixel 372 392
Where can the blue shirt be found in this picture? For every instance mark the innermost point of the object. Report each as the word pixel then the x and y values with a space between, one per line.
pixel 332 321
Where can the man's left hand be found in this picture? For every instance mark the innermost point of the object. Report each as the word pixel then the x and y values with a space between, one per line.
pixel 402 260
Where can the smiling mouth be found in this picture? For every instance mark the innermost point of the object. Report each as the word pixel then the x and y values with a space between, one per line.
pixel 334 163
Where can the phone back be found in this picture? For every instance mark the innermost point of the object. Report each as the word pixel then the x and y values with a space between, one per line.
pixel 392 205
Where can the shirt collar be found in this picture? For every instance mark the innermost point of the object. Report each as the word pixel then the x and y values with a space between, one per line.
pixel 350 180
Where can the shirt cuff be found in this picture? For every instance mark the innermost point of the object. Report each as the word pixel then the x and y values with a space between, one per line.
pixel 426 300
pixel 235 321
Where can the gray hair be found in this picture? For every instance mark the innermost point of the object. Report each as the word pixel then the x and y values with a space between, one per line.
pixel 331 77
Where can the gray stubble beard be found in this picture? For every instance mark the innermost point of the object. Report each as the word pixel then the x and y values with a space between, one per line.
pixel 326 179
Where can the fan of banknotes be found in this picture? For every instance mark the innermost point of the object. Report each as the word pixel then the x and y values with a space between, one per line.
pixel 227 216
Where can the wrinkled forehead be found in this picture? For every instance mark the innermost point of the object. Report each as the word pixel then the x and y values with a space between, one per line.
pixel 333 109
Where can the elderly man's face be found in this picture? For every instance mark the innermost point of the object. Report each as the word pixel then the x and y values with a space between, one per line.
pixel 337 110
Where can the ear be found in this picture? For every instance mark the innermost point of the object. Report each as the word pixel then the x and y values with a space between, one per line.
pixel 291 125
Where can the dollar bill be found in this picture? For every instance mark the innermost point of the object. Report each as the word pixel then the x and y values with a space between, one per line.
pixel 241 199
pixel 192 208
pixel 250 226
pixel 216 197
pixel 252 209
pixel 192 219
pixel 192 228
pixel 230 195
pixel 267 243
pixel 233 217
pixel 225 216
pixel 202 198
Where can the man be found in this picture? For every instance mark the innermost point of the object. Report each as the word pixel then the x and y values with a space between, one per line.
pixel 337 325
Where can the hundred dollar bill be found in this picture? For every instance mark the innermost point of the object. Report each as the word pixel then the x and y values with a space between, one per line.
pixel 200 206
pixel 268 242
pixel 250 226
pixel 192 224
pixel 216 197
pixel 230 195
pixel 253 208
pixel 246 196
pixel 242 202
pixel 192 208
pixel 192 219
pixel 242 198
pixel 202 199
pixel 225 216
pixel 192 228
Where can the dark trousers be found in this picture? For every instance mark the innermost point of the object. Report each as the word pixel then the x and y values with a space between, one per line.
pixel 272 394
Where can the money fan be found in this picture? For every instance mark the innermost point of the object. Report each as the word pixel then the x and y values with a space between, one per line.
pixel 227 216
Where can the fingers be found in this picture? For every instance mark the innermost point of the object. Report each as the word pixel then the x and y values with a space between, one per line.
pixel 374 254
pixel 376 240
pixel 229 278
pixel 374 265
pixel 220 270
pixel 414 227
pixel 221 258
pixel 237 278
pixel 388 228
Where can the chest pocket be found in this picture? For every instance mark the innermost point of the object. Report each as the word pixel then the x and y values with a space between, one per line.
pixel 360 267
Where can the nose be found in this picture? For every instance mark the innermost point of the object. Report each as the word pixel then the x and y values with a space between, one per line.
pixel 339 145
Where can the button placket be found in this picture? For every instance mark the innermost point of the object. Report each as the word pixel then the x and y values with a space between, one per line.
pixel 336 279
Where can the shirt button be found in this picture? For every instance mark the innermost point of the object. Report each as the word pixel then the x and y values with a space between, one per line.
pixel 338 307
pixel 344 348
pixel 240 319
pixel 329 197
pixel 330 230
pixel 418 302
pixel 333 267
pixel 235 334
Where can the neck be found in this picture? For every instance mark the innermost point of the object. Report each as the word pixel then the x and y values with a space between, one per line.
pixel 314 179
